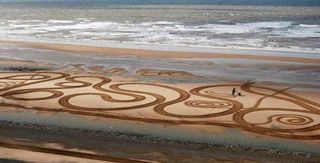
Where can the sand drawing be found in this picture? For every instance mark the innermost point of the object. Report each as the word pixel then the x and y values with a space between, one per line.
pixel 201 105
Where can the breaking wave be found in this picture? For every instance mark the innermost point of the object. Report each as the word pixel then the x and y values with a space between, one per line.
pixel 276 34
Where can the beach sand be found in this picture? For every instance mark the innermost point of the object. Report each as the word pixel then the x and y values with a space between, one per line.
pixel 153 53
pixel 267 115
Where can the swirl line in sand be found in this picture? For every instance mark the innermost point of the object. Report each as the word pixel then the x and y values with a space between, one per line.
pixel 65 88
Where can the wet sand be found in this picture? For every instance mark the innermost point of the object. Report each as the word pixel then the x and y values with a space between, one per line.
pixel 22 139
pixel 153 53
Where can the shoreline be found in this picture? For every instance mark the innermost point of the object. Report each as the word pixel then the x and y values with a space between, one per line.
pixel 175 48
pixel 110 51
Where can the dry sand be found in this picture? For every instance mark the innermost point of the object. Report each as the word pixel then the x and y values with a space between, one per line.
pixel 261 109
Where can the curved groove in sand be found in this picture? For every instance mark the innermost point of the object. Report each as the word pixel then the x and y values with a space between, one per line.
pixel 301 120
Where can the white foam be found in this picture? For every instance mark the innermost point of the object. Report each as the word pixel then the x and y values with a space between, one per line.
pixel 274 25
pixel 163 32
pixel 60 21
pixel 241 28
pixel 159 23
pixel 223 29
pixel 23 25
pixel 309 25
pixel 299 32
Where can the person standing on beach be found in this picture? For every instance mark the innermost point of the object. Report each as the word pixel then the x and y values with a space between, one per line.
pixel 233 91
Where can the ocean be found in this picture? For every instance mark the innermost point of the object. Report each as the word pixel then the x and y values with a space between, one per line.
pixel 195 24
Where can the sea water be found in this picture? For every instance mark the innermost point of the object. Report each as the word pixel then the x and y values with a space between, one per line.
pixel 193 24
